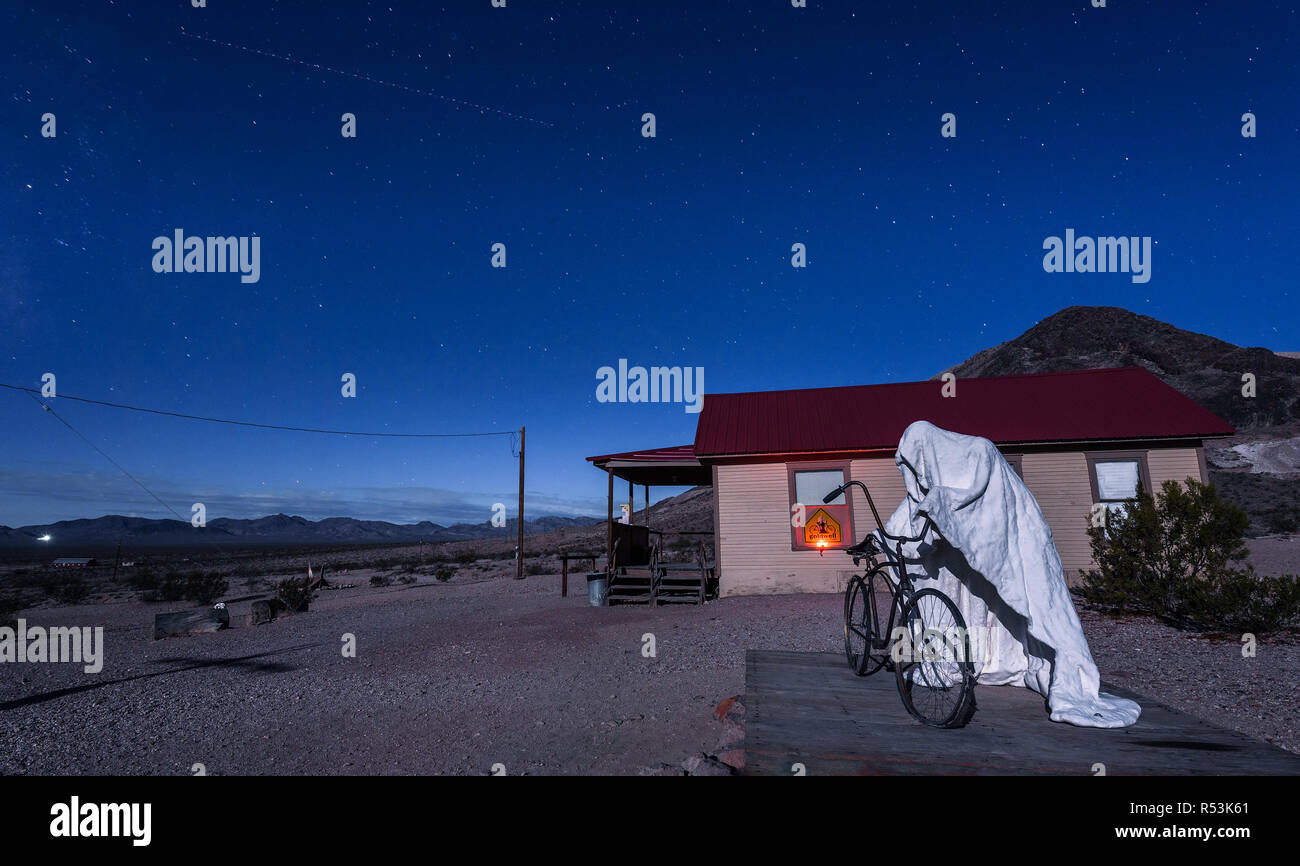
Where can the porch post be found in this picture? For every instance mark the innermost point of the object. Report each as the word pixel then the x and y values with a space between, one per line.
pixel 647 506
pixel 609 522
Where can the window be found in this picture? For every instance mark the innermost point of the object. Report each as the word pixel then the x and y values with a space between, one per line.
pixel 1115 476
pixel 814 524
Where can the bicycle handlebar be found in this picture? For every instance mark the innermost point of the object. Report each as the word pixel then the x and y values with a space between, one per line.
pixel 839 491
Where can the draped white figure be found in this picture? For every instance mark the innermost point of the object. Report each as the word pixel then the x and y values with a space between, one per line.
pixel 1001 567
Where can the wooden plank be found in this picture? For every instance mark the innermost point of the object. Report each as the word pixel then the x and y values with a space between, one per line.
pixel 810 709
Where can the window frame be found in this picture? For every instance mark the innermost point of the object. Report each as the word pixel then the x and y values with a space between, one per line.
pixel 845 468
pixel 1095 457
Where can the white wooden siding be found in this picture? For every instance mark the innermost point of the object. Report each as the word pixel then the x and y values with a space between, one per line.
pixel 754 516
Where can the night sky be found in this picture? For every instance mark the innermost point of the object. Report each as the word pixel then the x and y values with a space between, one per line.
pixel 522 126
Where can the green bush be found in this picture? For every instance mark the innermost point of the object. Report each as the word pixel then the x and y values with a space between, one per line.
pixel 1247 602
pixel 534 568
pixel 295 592
pixel 1178 556
pixel 444 573
pixel 205 587
pixel 466 558
pixel 407 579
pixel 380 580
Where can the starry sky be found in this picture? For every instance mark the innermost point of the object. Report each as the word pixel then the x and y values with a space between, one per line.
pixel 522 126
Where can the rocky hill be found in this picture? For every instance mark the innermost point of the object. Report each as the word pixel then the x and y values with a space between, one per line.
pixel 1204 368
pixel 1259 468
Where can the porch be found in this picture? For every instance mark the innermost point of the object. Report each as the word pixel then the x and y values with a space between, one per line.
pixel 645 564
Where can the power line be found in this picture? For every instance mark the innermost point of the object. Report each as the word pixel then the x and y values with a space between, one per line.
pixel 121 469
pixel 119 466
pixel 34 391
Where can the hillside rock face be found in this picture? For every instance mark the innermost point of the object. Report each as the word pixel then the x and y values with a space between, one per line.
pixel 1259 468
pixel 1204 368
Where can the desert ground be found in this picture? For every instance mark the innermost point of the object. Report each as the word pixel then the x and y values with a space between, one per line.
pixel 455 677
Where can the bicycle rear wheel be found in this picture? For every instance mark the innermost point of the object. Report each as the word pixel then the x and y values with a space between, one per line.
pixel 936 675
pixel 867 603
pixel 857 625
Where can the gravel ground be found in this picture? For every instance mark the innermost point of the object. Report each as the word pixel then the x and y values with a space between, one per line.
pixel 454 678
pixel 1275 554
pixel 1204 675
pixel 449 678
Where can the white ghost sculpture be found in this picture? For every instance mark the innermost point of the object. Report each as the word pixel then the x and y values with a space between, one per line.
pixel 1002 570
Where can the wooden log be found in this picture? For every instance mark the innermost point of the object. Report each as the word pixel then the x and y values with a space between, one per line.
pixel 201 621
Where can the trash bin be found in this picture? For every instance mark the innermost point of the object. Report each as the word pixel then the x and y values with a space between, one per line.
pixel 596 586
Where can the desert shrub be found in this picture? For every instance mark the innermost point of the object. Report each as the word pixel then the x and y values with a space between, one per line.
pixel 1281 521
pixel 380 580
pixel 143 579
pixel 1177 556
pixel 66 590
pixel 205 587
pixel 9 607
pixel 465 558
pixel 444 573
pixel 407 579
pixel 170 588
pixel 1248 602
pixel 535 568
pixel 295 592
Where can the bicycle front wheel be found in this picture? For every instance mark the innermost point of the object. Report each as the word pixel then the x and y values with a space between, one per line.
pixel 932 660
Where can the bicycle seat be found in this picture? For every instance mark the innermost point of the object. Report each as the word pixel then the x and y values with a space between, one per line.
pixel 865 547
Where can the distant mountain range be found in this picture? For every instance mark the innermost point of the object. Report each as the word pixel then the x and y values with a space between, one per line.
pixel 1259 469
pixel 281 529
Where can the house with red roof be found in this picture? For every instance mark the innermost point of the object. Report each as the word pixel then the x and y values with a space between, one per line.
pixel 1081 440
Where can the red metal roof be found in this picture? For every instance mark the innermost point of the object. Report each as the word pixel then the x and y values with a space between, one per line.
pixel 674 454
pixel 1118 403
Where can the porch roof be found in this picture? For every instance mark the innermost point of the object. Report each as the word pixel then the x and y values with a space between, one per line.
pixel 675 466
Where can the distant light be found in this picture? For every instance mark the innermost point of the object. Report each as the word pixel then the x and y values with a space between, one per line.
pixel 44 538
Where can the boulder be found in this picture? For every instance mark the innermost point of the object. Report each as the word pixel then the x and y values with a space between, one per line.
pixel 267 610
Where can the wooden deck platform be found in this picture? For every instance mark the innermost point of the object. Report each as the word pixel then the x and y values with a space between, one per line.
pixel 809 708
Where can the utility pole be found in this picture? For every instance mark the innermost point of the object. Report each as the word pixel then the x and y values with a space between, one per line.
pixel 519 559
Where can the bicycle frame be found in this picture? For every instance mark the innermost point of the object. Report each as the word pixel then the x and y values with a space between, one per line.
pixel 932 689
pixel 901 587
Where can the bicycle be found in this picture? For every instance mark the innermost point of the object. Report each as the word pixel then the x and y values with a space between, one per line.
pixel 929 650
